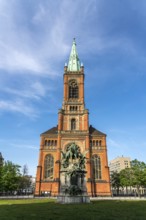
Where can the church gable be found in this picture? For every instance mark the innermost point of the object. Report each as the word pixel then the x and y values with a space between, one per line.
pixel 93 131
pixel 53 130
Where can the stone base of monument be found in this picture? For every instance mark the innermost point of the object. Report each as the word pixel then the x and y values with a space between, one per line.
pixel 73 177
pixel 66 199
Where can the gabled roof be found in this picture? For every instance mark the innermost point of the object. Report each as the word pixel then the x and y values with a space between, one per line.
pixel 94 131
pixel 53 130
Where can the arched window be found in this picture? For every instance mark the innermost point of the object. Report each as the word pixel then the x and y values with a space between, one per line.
pixel 96 167
pixel 73 124
pixel 73 89
pixel 49 166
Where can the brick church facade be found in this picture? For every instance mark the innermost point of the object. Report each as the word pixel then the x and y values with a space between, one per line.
pixel 73 127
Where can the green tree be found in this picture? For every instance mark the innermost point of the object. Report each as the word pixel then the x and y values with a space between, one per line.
pixel 10 176
pixel 138 175
pixel 1 178
pixel 25 181
pixel 126 177
pixel 115 181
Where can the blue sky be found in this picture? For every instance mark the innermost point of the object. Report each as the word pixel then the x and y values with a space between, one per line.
pixel 35 42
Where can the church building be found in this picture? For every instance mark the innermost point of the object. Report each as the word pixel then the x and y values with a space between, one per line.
pixel 73 127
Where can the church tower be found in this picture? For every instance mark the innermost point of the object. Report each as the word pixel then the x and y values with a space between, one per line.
pixel 73 117
pixel 73 127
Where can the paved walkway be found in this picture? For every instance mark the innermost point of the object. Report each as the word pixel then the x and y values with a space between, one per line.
pixel 118 198
pixel 91 198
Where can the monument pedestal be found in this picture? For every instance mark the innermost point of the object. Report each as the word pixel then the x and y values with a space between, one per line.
pixel 72 177
pixel 67 199
pixel 69 193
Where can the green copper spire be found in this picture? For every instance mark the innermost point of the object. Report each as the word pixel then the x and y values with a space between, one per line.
pixel 74 62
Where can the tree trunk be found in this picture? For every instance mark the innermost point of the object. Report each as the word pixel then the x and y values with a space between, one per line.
pixel 138 190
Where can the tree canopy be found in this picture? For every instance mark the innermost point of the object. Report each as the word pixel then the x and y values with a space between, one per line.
pixel 10 175
pixel 11 178
pixel 135 176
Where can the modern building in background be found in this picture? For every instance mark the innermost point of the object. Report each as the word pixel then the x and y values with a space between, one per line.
pixel 73 127
pixel 119 163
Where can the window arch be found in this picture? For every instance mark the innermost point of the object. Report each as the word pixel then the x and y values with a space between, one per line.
pixel 73 89
pixel 96 167
pixel 73 124
pixel 49 166
pixel 100 143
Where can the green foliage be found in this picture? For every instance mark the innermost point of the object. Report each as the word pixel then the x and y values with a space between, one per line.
pixel 1 178
pixel 115 181
pixel 11 178
pixel 138 174
pixel 135 176
pixel 126 176
pixel 24 182
pixel 10 175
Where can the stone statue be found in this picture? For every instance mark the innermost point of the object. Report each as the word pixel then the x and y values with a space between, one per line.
pixel 73 163
pixel 74 156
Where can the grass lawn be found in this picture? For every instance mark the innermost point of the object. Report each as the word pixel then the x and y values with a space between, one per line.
pixel 47 209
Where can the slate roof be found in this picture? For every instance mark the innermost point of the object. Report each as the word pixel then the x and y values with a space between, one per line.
pixel 53 130
pixel 94 131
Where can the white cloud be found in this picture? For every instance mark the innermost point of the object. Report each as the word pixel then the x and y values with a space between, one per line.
pixel 39 88
pixel 113 144
pixel 22 93
pixel 28 91
pixel 19 143
pixel 19 61
pixel 19 107
pixel 21 50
